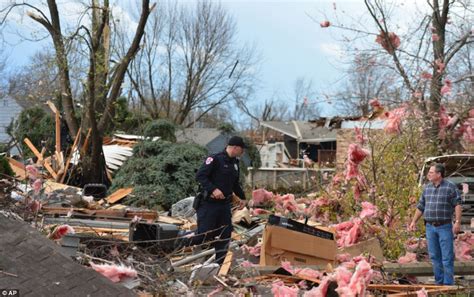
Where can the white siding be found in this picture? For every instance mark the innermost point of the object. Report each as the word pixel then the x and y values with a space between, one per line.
pixel 9 110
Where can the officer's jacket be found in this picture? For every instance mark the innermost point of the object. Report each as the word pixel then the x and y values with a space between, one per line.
pixel 222 172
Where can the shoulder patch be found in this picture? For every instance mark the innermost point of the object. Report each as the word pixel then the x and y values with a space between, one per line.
pixel 209 160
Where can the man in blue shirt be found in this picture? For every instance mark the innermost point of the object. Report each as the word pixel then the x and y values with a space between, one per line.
pixel 219 177
pixel 439 200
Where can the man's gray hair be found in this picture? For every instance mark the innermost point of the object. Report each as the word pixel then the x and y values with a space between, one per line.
pixel 440 168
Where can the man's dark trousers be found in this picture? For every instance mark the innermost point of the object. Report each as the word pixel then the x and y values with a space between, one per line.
pixel 215 216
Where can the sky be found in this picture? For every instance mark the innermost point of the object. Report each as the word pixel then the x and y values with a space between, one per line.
pixel 289 41
pixel 291 44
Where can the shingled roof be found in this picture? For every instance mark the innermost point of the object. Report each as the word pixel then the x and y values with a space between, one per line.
pixel 302 130
pixel 34 265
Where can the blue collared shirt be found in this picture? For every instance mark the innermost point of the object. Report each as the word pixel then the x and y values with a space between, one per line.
pixel 437 203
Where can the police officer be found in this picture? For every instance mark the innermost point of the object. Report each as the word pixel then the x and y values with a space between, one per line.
pixel 219 177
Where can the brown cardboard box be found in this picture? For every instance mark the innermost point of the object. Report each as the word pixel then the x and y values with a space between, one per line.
pixel 370 246
pixel 281 244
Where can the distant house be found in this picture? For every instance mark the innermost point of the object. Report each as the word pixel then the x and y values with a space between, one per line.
pixel 306 138
pixel 9 110
pixel 211 138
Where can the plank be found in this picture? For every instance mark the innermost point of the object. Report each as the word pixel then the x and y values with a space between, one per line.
pixel 40 157
pixel 18 168
pixel 82 229
pixel 48 167
pixel 33 149
pixel 86 142
pixel 227 262
pixel 118 195
pixel 169 220
pixel 58 130
pixel 52 106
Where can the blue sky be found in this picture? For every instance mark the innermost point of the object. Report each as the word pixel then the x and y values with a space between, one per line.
pixel 290 43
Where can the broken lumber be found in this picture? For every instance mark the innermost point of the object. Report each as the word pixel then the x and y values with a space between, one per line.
pixel 18 168
pixel 40 157
pixel 50 186
pixel 118 195
pixel 168 220
pixel 86 142
pixel 226 265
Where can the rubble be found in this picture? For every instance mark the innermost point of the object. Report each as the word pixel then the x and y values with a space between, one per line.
pixel 282 244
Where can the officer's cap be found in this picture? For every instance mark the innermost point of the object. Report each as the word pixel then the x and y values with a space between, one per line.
pixel 237 141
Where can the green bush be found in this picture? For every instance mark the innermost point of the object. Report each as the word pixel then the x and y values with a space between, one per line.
pixel 161 173
pixel 5 168
pixel 38 126
pixel 226 128
pixel 162 128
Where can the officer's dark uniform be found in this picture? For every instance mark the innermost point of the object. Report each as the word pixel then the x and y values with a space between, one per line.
pixel 222 172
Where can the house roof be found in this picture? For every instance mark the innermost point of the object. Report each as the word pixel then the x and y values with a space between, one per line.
pixel 302 130
pixel 201 136
pixel 35 266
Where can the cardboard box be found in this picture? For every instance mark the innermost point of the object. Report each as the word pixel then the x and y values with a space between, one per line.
pixel 370 246
pixel 282 244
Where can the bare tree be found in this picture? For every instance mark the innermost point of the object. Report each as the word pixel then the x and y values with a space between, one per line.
pixel 3 74
pixel 423 56
pixel 190 63
pixel 305 107
pixel 366 79
pixel 103 83
pixel 36 82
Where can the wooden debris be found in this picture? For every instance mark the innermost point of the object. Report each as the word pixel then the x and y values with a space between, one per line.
pixel 118 195
pixel 33 149
pixel 50 186
pixel 169 220
pixel 86 142
pixel 81 229
pixel 227 262
pixel 40 157
pixel 221 282
pixel 18 168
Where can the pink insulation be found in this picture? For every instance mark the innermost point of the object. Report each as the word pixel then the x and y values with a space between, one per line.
pixel 280 290
pixel 115 273
pixel 261 196
pixel 368 210
pixel 408 258
pixel 389 41
pixel 60 231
